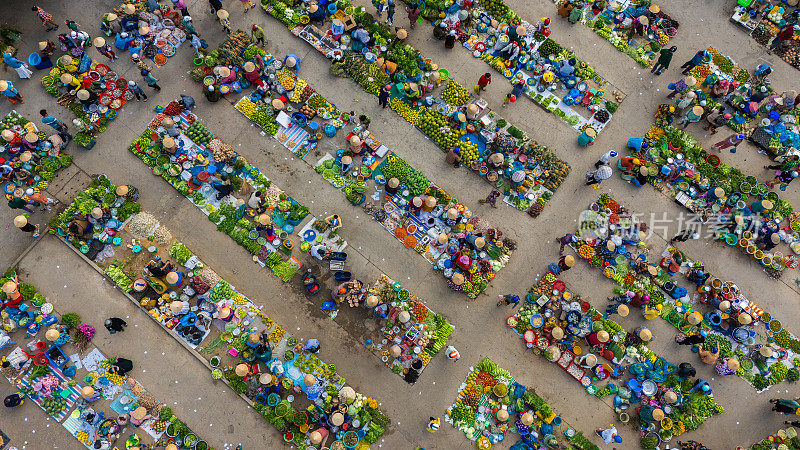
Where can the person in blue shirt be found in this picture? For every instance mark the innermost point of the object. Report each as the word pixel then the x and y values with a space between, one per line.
pixel 292 61
pixel 703 385
pixel 56 124
pixel 10 92
pixel 700 58
pixel 508 299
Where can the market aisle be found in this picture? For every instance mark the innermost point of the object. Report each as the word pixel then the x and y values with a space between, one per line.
pixel 161 364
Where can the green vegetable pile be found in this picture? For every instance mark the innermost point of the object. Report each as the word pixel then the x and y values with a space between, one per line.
pixel 396 167
pixel 417 183
pixel 119 277
pixel 180 252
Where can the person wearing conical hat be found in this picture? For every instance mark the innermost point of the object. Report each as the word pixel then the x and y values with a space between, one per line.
pixel 566 262
pixel 728 366
pixel 10 92
pixel 222 17
pixel 104 49
pixel 292 61
pixel 22 223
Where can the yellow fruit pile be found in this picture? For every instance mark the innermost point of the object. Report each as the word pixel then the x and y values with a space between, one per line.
pixel 405 111
pixel 277 334
pixel 246 107
pixel 469 152
pixel 299 87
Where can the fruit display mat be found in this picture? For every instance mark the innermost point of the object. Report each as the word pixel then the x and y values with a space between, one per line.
pixel 74 394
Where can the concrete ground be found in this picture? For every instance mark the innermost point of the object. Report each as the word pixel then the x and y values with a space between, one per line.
pixel 480 329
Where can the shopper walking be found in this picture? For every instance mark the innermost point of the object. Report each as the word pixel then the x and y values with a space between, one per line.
pixel 664 59
pixel 216 5
pixel 137 90
pixel 390 13
pixel 684 236
pixel 46 18
pixel 604 160
pixel 60 127
pixel 413 12
pixel 609 435
pixel 10 92
pixel 104 49
pixel 483 81
pixel 599 175
pixel 383 96
pixel 701 58
pixel 22 69
pixel 151 80
pixel 715 119
pixel 247 5
pixel 222 16
pixel 491 198
pixel 785 405
pixel 380 5
pixel 565 240
pixel 257 34
pixel 115 325
pixel 17 202
pixel 731 141
pixel 453 354
pixel 21 222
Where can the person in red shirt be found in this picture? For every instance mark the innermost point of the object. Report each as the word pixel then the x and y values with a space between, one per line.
pixel 483 81
pixel 786 34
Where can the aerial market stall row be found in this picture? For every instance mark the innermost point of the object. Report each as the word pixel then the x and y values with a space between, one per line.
pixel 78 390
pixel 279 375
pixel 554 78
pixel 732 322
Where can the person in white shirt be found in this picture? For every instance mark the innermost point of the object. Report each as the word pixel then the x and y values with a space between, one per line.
pixel 609 435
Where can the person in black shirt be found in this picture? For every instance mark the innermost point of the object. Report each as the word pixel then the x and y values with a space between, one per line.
pixel 122 367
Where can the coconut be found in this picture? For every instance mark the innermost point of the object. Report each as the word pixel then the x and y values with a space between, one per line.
pixel 242 370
